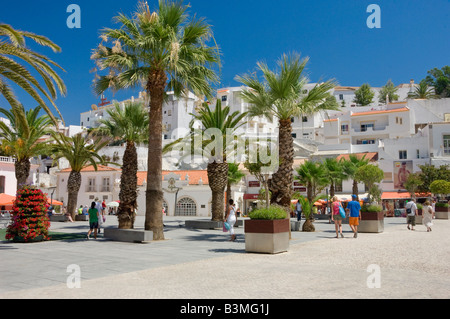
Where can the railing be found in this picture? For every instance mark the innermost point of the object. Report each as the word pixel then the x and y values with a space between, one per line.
pixel 91 189
pixel 7 159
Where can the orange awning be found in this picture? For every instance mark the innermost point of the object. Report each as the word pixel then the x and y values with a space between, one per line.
pixel 396 195
pixel 6 200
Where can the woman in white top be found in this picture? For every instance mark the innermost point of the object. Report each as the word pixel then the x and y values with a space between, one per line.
pixel 427 215
pixel 231 219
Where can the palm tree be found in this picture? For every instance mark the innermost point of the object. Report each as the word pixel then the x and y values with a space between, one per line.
pixel 21 139
pixel 388 93
pixel 129 124
pixel 313 176
pixel 162 50
pixel 423 91
pixel 217 126
pixel 281 95
pixel 334 172
pixel 79 150
pixel 234 177
pixel 13 48
pixel 350 167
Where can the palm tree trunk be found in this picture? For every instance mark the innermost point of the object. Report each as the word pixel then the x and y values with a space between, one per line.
pixel 73 186
pixel 154 195
pixel 128 188
pixel 218 179
pixel 281 186
pixel 22 171
pixel 355 188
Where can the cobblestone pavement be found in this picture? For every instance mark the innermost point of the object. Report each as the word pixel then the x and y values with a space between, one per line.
pixel 203 264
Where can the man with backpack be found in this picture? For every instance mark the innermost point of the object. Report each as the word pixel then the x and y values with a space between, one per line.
pixel 411 213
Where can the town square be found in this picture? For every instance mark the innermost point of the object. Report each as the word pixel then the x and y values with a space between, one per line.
pixel 185 151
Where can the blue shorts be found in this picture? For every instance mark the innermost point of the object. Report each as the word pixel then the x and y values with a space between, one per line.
pixel 93 225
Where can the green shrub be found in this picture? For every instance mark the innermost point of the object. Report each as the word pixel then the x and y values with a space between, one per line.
pixel 441 204
pixel 419 206
pixel 371 208
pixel 271 213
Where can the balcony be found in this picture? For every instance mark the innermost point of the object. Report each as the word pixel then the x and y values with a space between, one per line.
pixel 91 189
pixel 371 130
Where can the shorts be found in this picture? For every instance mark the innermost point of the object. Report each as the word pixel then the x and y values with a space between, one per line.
pixel 93 225
pixel 354 221
pixel 337 217
pixel 411 220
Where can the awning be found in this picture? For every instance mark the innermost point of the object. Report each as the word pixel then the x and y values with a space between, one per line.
pixel 396 195
pixel 8 200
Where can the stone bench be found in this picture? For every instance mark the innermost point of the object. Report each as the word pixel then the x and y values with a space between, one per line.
pixel 209 224
pixel 82 218
pixel 58 218
pixel 128 235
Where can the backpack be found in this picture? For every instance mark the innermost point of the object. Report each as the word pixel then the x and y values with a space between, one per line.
pixel 341 211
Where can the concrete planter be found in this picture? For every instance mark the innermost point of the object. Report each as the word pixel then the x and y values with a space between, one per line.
pixel 128 235
pixel 58 218
pixel 419 216
pixel 371 222
pixel 267 236
pixel 82 218
pixel 441 212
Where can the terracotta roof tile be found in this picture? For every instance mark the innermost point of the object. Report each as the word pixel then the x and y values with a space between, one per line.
pixel 90 168
pixel 194 176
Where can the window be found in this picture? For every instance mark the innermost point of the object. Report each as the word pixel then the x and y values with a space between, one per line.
pixel 341 97
pixel 169 112
pixel 364 127
pixel 402 154
pixel 105 185
pixel 91 185
pixel 418 153
pixel 446 144
pixel 305 119
pixel 365 142
pixel 2 184
pixel 344 128
pixel 224 98
pixel 186 207
pixel 294 135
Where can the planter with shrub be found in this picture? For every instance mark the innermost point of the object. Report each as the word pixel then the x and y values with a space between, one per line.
pixel 441 210
pixel 267 231
pixel 372 219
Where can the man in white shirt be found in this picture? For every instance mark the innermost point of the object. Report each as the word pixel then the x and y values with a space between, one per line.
pixel 298 210
pixel 411 213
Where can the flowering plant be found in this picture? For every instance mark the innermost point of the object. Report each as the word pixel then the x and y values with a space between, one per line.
pixel 30 221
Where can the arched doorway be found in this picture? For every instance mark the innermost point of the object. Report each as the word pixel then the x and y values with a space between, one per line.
pixel 186 207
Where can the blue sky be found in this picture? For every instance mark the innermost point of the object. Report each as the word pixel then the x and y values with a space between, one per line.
pixel 413 38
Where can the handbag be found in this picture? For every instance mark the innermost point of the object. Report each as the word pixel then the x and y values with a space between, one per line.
pixel 341 211
pixel 227 225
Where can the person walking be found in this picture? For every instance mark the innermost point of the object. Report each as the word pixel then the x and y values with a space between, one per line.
pixel 99 207
pixel 336 216
pixel 355 215
pixel 230 218
pixel 298 210
pixel 93 220
pixel 427 215
pixel 411 213
pixel 67 214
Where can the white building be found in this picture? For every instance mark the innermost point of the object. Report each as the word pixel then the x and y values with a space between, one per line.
pixel 404 135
